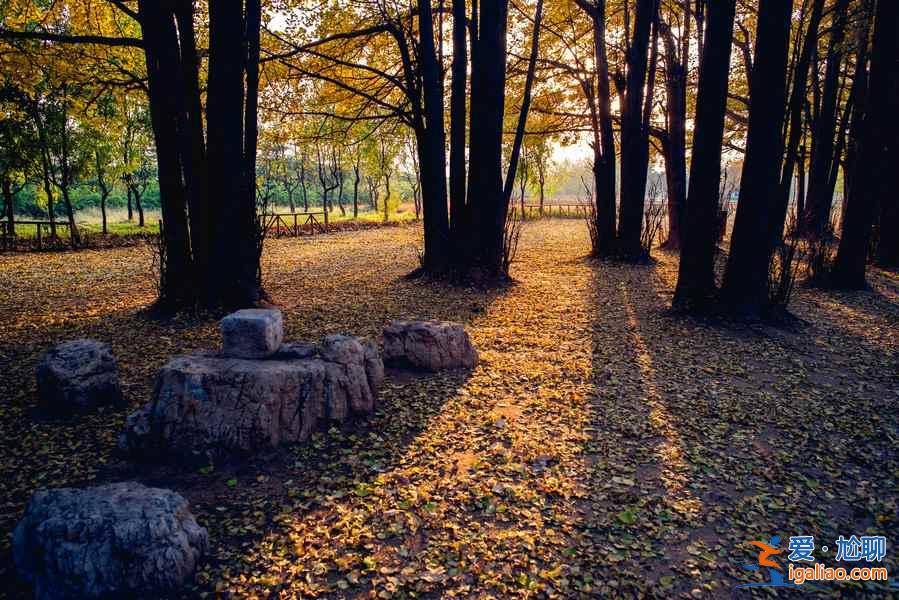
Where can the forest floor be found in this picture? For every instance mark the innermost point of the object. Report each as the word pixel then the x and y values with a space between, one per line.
pixel 603 447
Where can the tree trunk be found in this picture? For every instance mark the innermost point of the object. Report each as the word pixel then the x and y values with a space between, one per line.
pixel 483 246
pixel 676 142
pixel 745 287
pixel 876 178
pixel 130 204
pixel 356 189
pixel 65 174
pixel 523 113
pixel 140 208
pixel 303 183
pixel 431 142
pixel 797 126
pixel 634 135
pixel 8 207
pixel 161 56
pixel 193 149
pixel 233 275
pixel 858 98
pixel 820 198
pixel 696 273
pixel 457 119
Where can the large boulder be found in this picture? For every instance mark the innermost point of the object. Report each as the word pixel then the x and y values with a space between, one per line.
pixel 78 375
pixel 428 345
pixel 118 540
pixel 252 333
pixel 206 403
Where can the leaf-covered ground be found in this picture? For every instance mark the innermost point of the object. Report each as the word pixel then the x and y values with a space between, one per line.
pixel 602 448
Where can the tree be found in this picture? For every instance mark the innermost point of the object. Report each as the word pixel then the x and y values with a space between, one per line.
pixel 876 177
pixel 635 129
pixel 820 193
pixel 695 289
pixel 745 288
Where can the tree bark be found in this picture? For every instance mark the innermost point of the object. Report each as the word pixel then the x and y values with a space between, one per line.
pixel 745 287
pixel 695 289
pixel 876 178
pixel 820 197
pixel 483 246
pixel 797 125
pixel 634 135
pixel 676 138
pixel 525 107
pixel 161 56
pixel 231 153
pixel 459 85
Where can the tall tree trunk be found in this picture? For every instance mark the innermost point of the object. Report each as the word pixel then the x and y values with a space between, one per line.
pixel 303 183
pixel 193 148
pixel 858 97
pixel 140 209
pixel 432 157
pixel 483 247
pixel 696 273
pixel 130 203
pixel 8 207
pixel 745 287
pixel 820 198
pixel 634 135
pixel 525 107
pixel 876 178
pixel 604 162
pixel 459 85
pixel 797 125
pixel 65 173
pixel 46 164
pixel 675 146
pixel 161 56
pixel 233 275
pixel 356 178
pixel 104 193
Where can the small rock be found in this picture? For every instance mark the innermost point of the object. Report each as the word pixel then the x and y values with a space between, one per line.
pixel 78 375
pixel 428 345
pixel 252 333
pixel 118 540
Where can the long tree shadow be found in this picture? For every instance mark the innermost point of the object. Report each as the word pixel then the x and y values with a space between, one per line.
pixel 707 437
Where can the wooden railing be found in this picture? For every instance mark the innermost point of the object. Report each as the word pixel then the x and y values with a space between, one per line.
pixel 288 224
pixel 549 210
pixel 8 235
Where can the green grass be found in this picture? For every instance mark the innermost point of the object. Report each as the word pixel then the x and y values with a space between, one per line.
pixel 122 228
pixel 117 225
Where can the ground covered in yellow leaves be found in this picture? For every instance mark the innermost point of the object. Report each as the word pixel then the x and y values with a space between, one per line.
pixel 603 448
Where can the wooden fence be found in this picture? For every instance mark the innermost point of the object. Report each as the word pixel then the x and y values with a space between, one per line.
pixel 8 235
pixel 288 224
pixel 549 210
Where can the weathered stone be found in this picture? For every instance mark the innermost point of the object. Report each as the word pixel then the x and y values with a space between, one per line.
pixel 78 375
pixel 118 540
pixel 428 345
pixel 205 403
pixel 252 333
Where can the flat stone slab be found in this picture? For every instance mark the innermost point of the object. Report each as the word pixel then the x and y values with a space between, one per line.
pixel 112 541
pixel 428 345
pixel 206 403
pixel 78 375
pixel 252 333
